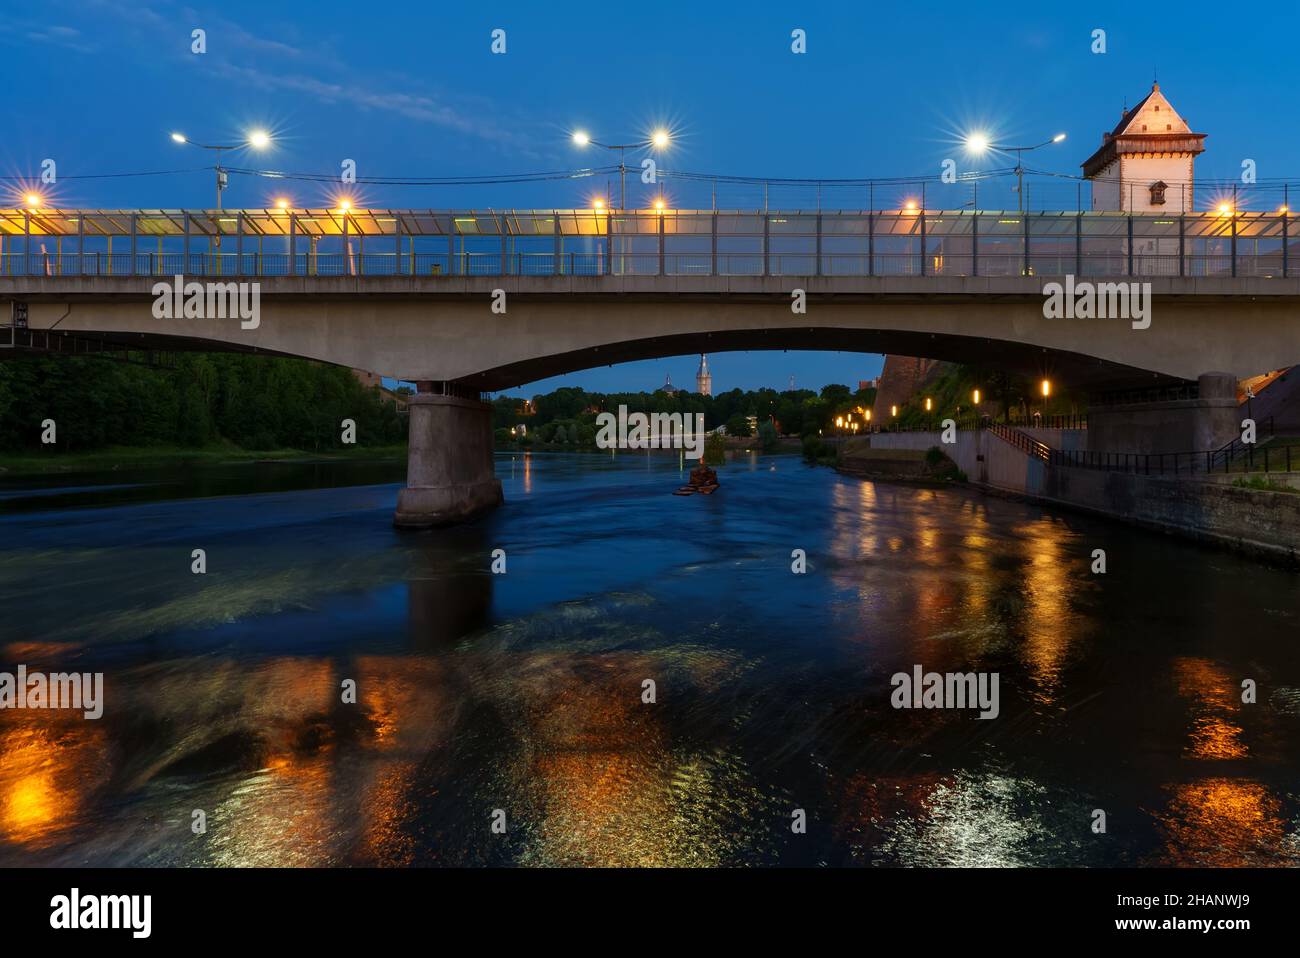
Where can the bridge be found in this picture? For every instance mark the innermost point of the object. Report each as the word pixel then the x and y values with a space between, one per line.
pixel 411 294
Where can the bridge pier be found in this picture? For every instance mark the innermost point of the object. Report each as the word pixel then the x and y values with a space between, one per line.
pixel 449 474
pixel 1169 426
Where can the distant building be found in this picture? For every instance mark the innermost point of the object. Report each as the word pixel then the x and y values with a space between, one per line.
pixel 1146 164
pixel 868 384
pixel 703 378
pixel 668 386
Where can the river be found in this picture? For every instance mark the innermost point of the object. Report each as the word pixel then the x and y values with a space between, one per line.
pixel 517 699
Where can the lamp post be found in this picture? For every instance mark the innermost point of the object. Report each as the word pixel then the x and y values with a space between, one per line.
pixel 258 140
pixel 978 144
pixel 658 139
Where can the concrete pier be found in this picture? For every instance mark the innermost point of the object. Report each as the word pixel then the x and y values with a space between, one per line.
pixel 1185 425
pixel 449 476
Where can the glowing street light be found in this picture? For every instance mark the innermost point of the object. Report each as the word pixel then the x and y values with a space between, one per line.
pixel 978 144
pixel 256 139
pixel 658 139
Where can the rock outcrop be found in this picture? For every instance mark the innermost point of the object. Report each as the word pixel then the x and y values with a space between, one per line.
pixel 702 480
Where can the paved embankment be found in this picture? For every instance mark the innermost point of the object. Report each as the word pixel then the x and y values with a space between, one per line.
pixel 1213 509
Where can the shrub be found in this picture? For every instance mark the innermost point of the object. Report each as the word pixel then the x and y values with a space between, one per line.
pixel 715 449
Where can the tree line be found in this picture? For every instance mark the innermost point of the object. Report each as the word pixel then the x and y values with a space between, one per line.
pixel 568 415
pixel 192 400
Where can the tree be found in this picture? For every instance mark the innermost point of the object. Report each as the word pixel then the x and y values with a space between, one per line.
pixel 738 425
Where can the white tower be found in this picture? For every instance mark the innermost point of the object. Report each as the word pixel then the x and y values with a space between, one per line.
pixel 703 378
pixel 1146 163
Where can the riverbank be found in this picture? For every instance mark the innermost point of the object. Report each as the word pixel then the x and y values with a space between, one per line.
pixel 1254 518
pixel 144 457
pixel 857 458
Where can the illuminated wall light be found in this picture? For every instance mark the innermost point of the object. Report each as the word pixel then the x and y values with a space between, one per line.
pixel 1047 388
pixel 977 397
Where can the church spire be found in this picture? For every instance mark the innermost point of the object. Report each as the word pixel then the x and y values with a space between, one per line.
pixel 703 378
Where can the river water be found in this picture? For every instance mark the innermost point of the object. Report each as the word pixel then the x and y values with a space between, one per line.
pixel 523 692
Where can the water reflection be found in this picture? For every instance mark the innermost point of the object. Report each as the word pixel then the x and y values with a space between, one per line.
pixel 523 691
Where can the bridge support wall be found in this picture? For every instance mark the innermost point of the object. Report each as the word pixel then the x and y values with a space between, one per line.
pixel 1185 425
pixel 449 474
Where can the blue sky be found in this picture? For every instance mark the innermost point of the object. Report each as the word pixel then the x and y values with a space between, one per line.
pixel 413 89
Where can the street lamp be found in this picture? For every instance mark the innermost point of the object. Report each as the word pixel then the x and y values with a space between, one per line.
pixel 978 144
pixel 257 140
pixel 659 139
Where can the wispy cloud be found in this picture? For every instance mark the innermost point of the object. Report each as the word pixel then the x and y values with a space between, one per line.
pixel 242 56
pixel 65 37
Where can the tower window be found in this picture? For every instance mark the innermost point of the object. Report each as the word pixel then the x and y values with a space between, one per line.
pixel 1158 192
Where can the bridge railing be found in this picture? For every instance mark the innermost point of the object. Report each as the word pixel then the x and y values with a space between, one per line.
pixel 637 243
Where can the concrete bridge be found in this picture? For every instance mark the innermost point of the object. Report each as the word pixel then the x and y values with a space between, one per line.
pixel 468 302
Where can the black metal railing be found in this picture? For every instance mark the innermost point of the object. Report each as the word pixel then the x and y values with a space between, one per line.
pixel 1234 456
pixel 1022 441
pixel 1035 421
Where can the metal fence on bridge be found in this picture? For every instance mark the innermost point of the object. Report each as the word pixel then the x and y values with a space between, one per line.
pixel 371 242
